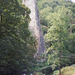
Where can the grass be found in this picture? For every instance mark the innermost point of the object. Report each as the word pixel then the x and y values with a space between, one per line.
pixel 69 70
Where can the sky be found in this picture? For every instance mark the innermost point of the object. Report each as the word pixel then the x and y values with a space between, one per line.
pixel 73 1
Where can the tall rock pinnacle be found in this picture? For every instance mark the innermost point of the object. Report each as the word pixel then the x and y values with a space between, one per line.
pixel 35 27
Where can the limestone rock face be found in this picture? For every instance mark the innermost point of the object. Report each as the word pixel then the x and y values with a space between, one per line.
pixel 34 25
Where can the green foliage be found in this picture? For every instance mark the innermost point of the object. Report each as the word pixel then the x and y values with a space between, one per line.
pixel 53 59
pixel 57 18
pixel 58 33
pixel 38 73
pixel 17 46
pixel 46 7
pixel 56 72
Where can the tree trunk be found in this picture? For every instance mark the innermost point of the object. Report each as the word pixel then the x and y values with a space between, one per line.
pixel 1 18
pixel 60 64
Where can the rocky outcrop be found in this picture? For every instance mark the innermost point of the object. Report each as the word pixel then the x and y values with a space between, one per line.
pixel 35 27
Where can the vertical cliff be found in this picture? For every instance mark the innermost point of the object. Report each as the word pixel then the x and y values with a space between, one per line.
pixel 35 27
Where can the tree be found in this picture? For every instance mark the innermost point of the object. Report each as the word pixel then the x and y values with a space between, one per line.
pixel 17 46
pixel 46 7
pixel 58 33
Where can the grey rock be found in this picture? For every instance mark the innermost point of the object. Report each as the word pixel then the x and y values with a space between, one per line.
pixel 35 26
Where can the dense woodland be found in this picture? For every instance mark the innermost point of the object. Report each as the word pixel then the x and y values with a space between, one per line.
pixel 57 18
pixel 18 46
